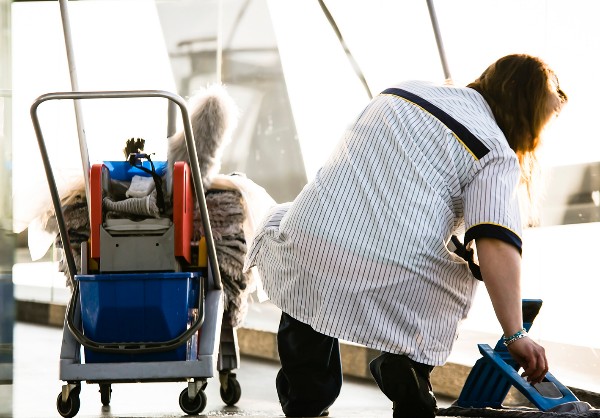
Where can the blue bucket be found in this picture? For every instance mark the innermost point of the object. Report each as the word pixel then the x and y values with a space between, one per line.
pixel 141 307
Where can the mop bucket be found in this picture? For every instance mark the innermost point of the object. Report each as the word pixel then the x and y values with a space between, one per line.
pixel 138 308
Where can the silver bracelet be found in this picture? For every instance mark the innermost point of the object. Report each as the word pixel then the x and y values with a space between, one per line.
pixel 517 336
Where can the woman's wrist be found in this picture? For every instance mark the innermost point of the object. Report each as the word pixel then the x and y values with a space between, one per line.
pixel 515 337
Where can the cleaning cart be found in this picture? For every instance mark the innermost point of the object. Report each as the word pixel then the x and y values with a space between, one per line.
pixel 144 308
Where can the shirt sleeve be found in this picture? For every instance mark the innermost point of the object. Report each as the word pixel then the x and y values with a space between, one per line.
pixel 491 203
pixel 269 226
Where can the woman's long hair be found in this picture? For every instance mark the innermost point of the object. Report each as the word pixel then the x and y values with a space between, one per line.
pixel 524 94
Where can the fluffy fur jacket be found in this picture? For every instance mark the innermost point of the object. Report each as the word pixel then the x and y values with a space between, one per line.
pixel 213 116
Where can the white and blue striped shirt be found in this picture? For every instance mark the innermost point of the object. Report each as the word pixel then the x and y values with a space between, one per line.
pixel 361 253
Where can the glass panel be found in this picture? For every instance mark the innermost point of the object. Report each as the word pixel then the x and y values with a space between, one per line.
pixel 265 145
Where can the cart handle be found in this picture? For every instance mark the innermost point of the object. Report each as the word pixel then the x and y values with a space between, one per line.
pixel 142 347
pixel 192 153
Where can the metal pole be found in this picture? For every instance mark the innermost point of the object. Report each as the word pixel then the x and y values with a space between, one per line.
pixel 219 41
pixel 83 149
pixel 438 40
pixel 349 55
pixel 171 119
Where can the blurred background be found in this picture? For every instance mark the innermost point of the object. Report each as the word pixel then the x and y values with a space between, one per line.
pixel 300 72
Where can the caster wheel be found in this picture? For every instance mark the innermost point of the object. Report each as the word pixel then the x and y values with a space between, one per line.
pixel 232 394
pixel 70 408
pixel 105 393
pixel 192 406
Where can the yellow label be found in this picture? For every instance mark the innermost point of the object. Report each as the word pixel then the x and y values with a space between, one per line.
pixel 202 253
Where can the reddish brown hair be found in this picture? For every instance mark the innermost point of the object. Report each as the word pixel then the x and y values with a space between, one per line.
pixel 523 93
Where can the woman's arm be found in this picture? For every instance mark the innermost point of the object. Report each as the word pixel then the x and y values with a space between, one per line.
pixel 500 265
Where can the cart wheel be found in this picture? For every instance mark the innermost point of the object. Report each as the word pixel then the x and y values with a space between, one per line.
pixel 105 393
pixel 192 406
pixel 70 408
pixel 234 391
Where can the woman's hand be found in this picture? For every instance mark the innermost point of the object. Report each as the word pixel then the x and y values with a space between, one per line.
pixel 531 357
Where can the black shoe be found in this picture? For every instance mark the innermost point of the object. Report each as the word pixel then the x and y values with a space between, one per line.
pixel 401 382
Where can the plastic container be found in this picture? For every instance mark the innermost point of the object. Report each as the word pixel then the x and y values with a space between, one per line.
pixel 141 307
pixel 123 171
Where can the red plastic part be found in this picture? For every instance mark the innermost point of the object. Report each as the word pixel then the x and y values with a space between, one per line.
pixel 183 210
pixel 96 210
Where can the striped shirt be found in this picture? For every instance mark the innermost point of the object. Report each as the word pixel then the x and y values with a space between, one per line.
pixel 361 254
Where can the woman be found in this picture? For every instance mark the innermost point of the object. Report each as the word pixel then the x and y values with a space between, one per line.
pixel 362 253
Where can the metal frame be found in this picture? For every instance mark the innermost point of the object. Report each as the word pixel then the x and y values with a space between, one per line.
pixel 199 192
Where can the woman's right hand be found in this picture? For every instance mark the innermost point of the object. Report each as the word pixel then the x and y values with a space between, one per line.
pixel 531 357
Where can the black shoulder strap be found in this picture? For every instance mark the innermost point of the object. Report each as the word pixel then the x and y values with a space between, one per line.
pixel 474 146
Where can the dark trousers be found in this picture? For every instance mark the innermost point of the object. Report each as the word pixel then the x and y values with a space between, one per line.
pixel 310 377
